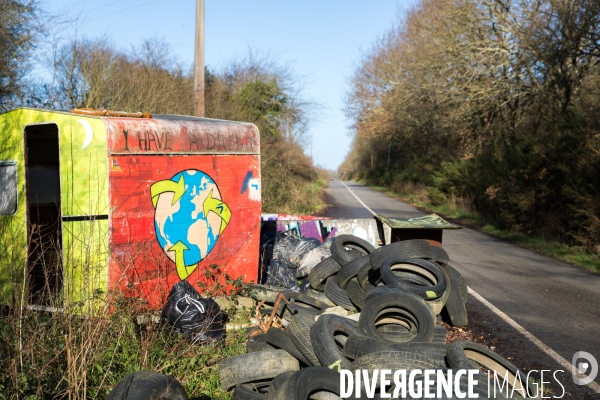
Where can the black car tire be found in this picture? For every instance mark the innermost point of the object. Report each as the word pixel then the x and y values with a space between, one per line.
pixel 147 385
pixel 410 303
pixel 340 243
pixel 253 367
pixel 322 335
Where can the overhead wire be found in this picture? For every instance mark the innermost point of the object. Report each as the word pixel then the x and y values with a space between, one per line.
pixel 126 9
pixel 104 6
pixel 77 3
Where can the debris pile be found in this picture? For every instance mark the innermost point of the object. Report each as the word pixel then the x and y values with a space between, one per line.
pixel 366 309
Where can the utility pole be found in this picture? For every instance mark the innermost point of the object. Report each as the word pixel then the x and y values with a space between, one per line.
pixel 199 59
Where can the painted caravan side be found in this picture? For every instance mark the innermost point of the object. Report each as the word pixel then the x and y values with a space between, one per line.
pixel 132 205
pixel 61 185
pixel 184 196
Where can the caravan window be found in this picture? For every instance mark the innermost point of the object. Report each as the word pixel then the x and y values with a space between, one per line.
pixel 8 187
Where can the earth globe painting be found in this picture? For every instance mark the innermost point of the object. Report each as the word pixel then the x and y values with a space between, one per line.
pixel 189 217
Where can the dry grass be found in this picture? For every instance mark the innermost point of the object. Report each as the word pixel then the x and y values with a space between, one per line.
pixel 81 349
pixel 65 355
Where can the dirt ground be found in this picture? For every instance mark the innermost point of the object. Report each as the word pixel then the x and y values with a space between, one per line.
pixel 488 329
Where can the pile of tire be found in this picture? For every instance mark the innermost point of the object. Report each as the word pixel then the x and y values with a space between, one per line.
pixel 355 268
pixel 402 290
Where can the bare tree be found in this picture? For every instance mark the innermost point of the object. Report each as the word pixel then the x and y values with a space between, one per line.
pixel 494 98
pixel 94 73
pixel 19 28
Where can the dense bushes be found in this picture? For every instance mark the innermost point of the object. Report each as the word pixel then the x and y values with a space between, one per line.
pixel 493 102
pixel 93 73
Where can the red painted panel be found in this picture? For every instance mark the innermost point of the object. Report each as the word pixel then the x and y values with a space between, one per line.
pixel 196 136
pixel 175 215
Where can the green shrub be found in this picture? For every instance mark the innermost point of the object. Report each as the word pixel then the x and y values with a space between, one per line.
pixel 436 197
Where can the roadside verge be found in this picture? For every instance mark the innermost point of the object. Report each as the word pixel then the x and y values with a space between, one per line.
pixel 456 213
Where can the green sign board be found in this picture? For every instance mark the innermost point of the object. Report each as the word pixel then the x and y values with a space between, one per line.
pixel 431 221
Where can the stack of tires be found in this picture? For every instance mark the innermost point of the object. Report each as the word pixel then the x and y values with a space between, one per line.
pixel 355 268
pixel 402 290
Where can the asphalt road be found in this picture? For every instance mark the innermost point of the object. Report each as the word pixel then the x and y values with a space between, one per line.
pixel 556 302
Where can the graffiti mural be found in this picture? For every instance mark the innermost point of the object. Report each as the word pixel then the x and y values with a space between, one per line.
pixel 189 218
pixel 252 186
pixel 172 217
pixel 176 207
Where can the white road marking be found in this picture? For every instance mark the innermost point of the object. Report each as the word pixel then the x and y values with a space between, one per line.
pixel 540 345
pixel 359 200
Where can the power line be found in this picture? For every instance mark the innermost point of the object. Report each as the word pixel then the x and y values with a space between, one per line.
pixel 105 5
pixel 76 3
pixel 126 9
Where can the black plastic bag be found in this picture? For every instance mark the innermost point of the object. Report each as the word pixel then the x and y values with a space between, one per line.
pixel 189 314
pixel 291 250
pixel 289 253
pixel 280 275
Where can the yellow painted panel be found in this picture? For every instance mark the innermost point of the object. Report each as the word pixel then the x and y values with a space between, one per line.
pixel 83 166
pixel 13 229
pixel 85 251
pixel 83 156
pixel 84 192
pixel 13 256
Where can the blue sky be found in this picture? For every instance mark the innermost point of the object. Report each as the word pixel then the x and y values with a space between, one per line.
pixel 320 40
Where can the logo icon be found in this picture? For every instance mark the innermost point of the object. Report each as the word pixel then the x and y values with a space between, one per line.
pixel 580 368
pixel 189 217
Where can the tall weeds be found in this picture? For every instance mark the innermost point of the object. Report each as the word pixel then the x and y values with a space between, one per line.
pixel 57 345
pixel 67 355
